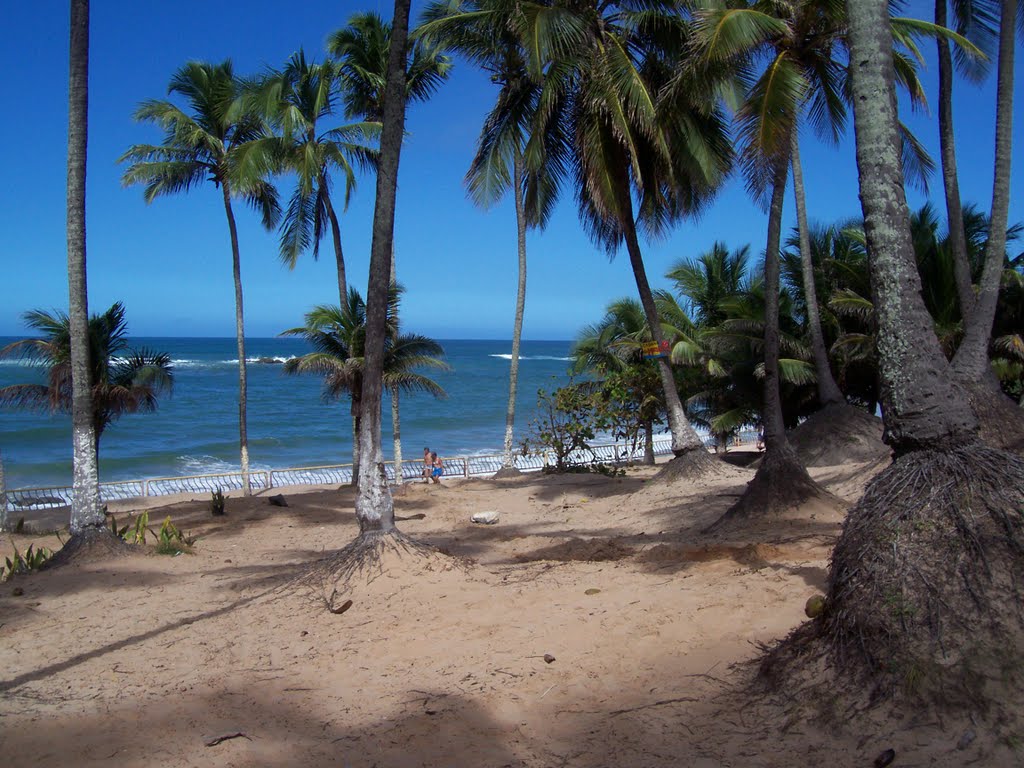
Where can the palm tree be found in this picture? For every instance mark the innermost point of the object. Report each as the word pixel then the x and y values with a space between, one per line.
pixel 971 361
pixel 121 380
pixel 612 349
pixel 486 33
pixel 211 143
pixel 977 21
pixel 296 100
pixel 361 50
pixel 647 143
pixel 922 558
pixel 338 337
pixel 374 504
pixel 86 516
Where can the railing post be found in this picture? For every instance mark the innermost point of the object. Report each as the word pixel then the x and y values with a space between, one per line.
pixel 465 467
pixel 145 488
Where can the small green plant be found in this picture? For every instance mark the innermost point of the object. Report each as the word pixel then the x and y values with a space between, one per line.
pixel 217 503
pixel 31 560
pixel 133 534
pixel 171 541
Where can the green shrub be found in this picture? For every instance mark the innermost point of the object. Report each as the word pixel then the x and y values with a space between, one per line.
pixel 217 504
pixel 133 534
pixel 31 560
pixel 171 541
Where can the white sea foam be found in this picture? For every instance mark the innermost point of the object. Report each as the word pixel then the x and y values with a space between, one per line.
pixel 530 357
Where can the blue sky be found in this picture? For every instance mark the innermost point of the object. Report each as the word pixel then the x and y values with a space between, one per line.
pixel 170 262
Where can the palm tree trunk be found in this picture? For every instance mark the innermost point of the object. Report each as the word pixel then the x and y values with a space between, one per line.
pixel 774 424
pixel 828 390
pixel 649 443
pixel 922 404
pixel 684 438
pixel 236 270
pixel 357 409
pixel 339 256
pixel 971 359
pixel 85 504
pixel 374 505
pixel 950 182
pixel 396 411
pixel 508 462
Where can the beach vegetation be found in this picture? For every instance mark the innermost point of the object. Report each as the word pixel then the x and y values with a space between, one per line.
pixel 217 503
pixel 564 428
pixel 214 142
pixel 122 380
pixel 170 540
pixel 31 559
pixel 132 533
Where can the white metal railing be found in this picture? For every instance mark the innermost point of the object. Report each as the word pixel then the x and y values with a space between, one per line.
pixel 29 499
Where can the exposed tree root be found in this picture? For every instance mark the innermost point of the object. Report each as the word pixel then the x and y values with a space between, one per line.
pixel 837 434
pixel 692 465
pixel 925 598
pixel 91 544
pixel 780 484
pixel 362 560
pixel 1001 419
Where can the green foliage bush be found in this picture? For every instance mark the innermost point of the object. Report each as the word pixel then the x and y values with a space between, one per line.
pixel 133 534
pixel 31 560
pixel 171 541
pixel 217 503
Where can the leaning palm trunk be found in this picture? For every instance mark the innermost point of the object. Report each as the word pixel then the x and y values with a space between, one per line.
pixel 685 439
pixel 828 390
pixel 508 462
pixel 971 360
pixel 236 269
pixel 396 413
pixel 339 256
pixel 950 182
pixel 374 505
pixel 85 505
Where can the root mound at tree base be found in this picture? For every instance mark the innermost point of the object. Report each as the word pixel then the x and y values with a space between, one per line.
pixel 693 465
pixel 365 559
pixel 1001 420
pixel 779 485
pixel 924 604
pixel 506 473
pixel 838 434
pixel 92 544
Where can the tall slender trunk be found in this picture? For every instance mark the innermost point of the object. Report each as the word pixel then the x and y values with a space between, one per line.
pixel 922 404
pixel 684 438
pixel 828 391
pixel 648 443
pixel 396 411
pixel 339 256
pixel 85 504
pixel 518 169
pixel 357 411
pixel 374 505
pixel 236 271
pixel 950 182
pixel 971 359
pixel 774 425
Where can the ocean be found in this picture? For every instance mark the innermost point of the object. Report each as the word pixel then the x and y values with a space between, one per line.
pixel 195 430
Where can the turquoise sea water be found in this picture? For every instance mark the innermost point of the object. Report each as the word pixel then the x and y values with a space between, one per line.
pixel 196 429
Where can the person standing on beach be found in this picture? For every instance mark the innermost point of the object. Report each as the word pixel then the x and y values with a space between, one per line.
pixel 437 468
pixel 428 465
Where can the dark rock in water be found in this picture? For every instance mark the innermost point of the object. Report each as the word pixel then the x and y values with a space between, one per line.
pixel 277 501
pixel 267 360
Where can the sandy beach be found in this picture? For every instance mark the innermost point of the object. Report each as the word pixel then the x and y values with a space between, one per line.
pixel 594 625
